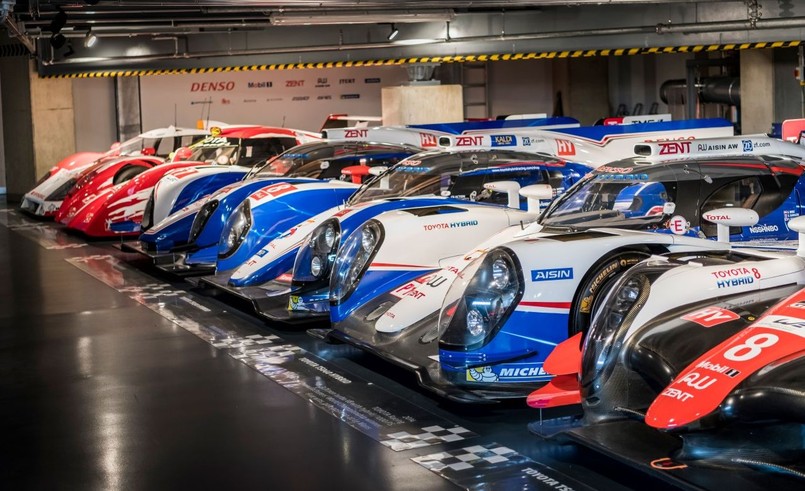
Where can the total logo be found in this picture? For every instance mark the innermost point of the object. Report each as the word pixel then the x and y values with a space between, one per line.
pixel 764 229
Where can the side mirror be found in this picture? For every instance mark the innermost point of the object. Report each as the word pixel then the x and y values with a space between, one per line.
pixel 378 170
pixel 725 218
pixel 149 151
pixel 324 165
pixel 182 153
pixel 797 224
pixel 357 172
pixel 534 193
pixel 511 188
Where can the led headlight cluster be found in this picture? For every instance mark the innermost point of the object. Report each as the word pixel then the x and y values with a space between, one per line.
pixel 202 217
pixel 148 214
pixel 61 192
pixel 610 324
pixel 315 258
pixel 235 230
pixel 489 298
pixel 354 258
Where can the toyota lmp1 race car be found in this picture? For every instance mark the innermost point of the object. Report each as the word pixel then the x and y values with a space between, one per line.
pixel 110 200
pixel 506 304
pixel 200 237
pixel 47 196
pixel 475 174
pixel 708 348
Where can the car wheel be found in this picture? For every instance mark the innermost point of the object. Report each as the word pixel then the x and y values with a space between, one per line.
pixel 595 286
pixel 127 173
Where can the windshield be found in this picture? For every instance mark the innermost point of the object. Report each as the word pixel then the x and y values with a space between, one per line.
pixel 288 162
pixel 223 154
pixel 614 200
pixel 459 175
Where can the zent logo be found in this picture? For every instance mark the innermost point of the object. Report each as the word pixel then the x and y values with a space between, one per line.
pixel 711 316
pixel 468 141
pixel 551 274
pixel 674 148
pixel 294 83
pixel 356 133
pixel 565 147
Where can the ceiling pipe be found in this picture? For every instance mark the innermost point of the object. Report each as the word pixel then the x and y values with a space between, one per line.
pixel 6 7
pixel 725 26
pixel 734 25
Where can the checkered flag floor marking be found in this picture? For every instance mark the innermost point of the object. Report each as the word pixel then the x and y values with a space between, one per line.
pixel 430 435
pixel 475 457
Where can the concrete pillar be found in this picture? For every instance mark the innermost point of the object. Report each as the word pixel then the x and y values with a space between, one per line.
pixel 422 104
pixel 757 96
pixel 53 120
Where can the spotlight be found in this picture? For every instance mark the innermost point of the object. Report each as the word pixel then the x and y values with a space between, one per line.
pixel 90 39
pixel 393 33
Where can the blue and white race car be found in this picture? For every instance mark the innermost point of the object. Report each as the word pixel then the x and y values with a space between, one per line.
pixel 518 294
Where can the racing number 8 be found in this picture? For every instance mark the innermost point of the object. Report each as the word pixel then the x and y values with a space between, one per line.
pixel 753 345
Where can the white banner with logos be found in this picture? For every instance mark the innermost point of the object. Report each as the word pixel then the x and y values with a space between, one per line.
pixel 299 99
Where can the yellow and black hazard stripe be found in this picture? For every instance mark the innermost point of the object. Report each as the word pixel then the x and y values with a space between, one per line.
pixel 441 59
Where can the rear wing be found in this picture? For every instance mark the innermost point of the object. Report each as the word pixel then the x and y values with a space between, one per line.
pixel 427 136
pixel 738 146
pixel 594 145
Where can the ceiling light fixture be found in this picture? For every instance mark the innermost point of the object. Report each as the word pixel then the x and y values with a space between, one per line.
pixel 90 39
pixel 393 33
pixel 373 17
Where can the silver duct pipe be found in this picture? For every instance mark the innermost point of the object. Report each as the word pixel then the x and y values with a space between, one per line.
pixel 733 25
pixel 720 90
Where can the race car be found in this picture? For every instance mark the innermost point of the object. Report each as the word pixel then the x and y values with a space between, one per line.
pixel 110 200
pixel 207 230
pixel 273 258
pixel 707 347
pixel 551 273
pixel 46 197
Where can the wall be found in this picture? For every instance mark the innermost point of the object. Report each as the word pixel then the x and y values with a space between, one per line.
pixel 292 98
pixel 53 120
pixel 520 87
pixel 788 94
pixel 757 83
pixel 94 103
pixel 17 130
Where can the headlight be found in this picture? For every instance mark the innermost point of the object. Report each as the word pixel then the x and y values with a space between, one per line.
pixel 202 217
pixel 315 258
pixel 61 192
pixel 353 259
pixel 474 310
pixel 609 326
pixel 235 230
pixel 148 214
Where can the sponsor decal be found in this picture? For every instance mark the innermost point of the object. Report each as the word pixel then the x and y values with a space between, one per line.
pixel 324 98
pixel 467 141
pixel 356 133
pixel 747 145
pixel 711 316
pixel 764 229
pixel 504 140
pixel 350 96
pixel 408 290
pixel 346 81
pixel 432 280
pixel 448 225
pixel 677 394
pixel 226 101
pixel 552 274
pixel 274 191
pixel 375 80
pixel 722 369
pixel 527 141
pixel 260 85
pixel 322 83
pixel 704 147
pixel 711 217
pixel 510 373
pixel 736 272
pixel 798 305
pixel 183 173
pixel 565 148
pixel 274 99
pixel 678 225
pixel 427 140
pixel 674 148
pixel 301 98
pixel 212 86
pixel 247 101
pixel 294 83
pixel 605 169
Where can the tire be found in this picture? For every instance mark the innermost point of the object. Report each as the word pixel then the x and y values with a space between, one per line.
pixel 128 173
pixel 596 284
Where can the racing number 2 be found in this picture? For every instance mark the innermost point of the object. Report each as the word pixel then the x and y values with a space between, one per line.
pixel 752 347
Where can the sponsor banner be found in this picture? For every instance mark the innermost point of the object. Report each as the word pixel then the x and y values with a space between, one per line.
pixel 379 414
pixel 493 466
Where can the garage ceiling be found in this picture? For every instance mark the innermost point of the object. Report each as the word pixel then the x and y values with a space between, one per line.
pixel 143 34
